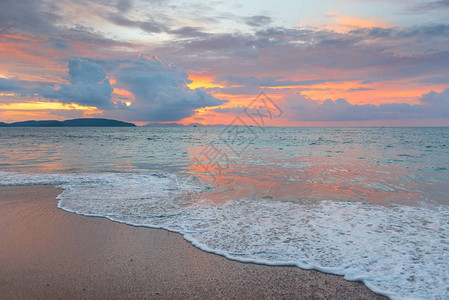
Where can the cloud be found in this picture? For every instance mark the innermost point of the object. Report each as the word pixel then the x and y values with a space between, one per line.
pixel 236 110
pixel 241 111
pixel 426 31
pixel 46 33
pixel 124 5
pixel 437 103
pixel 360 89
pixel 258 21
pixel 432 105
pixel 58 43
pixel 380 54
pixel 88 86
pixel 85 72
pixel 15 87
pixel 28 15
pixel 437 80
pixel 189 32
pixel 9 85
pixel 277 81
pixel 251 85
pixel 429 6
pixel 217 43
pixel 161 92
pixel 149 26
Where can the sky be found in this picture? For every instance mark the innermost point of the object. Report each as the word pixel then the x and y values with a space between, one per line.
pixel 318 63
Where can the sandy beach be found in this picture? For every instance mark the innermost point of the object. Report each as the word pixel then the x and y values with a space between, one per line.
pixel 47 253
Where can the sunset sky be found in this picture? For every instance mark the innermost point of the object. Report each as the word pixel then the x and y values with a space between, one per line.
pixel 324 63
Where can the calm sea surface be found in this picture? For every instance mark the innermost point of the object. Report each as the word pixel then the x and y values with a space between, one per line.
pixel 371 204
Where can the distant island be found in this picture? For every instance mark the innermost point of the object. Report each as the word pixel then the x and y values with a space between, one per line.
pixel 85 122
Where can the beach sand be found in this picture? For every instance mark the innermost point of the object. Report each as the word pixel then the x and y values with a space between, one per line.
pixel 47 253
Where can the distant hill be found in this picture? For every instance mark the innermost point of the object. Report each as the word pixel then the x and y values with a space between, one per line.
pixel 87 122
pixel 96 123
pixel 49 123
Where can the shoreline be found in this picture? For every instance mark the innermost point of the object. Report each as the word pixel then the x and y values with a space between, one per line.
pixel 50 253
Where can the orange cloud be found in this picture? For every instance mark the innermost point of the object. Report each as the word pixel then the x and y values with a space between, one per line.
pixel 375 93
pixel 123 93
pixel 345 24
pixel 39 110
pixel 15 48
pixel 20 38
pixel 359 22
pixel 207 116
pixel 202 80
pixel 31 106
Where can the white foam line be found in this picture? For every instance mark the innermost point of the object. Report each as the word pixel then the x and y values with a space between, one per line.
pixel 401 252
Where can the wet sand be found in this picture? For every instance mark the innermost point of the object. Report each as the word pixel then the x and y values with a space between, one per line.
pixel 47 253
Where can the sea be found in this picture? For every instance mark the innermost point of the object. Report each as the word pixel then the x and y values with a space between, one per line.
pixel 371 204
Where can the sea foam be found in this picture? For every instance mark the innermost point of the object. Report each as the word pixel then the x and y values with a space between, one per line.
pixel 398 251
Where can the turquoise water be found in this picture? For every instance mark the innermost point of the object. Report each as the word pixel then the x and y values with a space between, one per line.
pixel 367 203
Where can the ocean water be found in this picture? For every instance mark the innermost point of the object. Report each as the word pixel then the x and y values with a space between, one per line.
pixel 371 204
